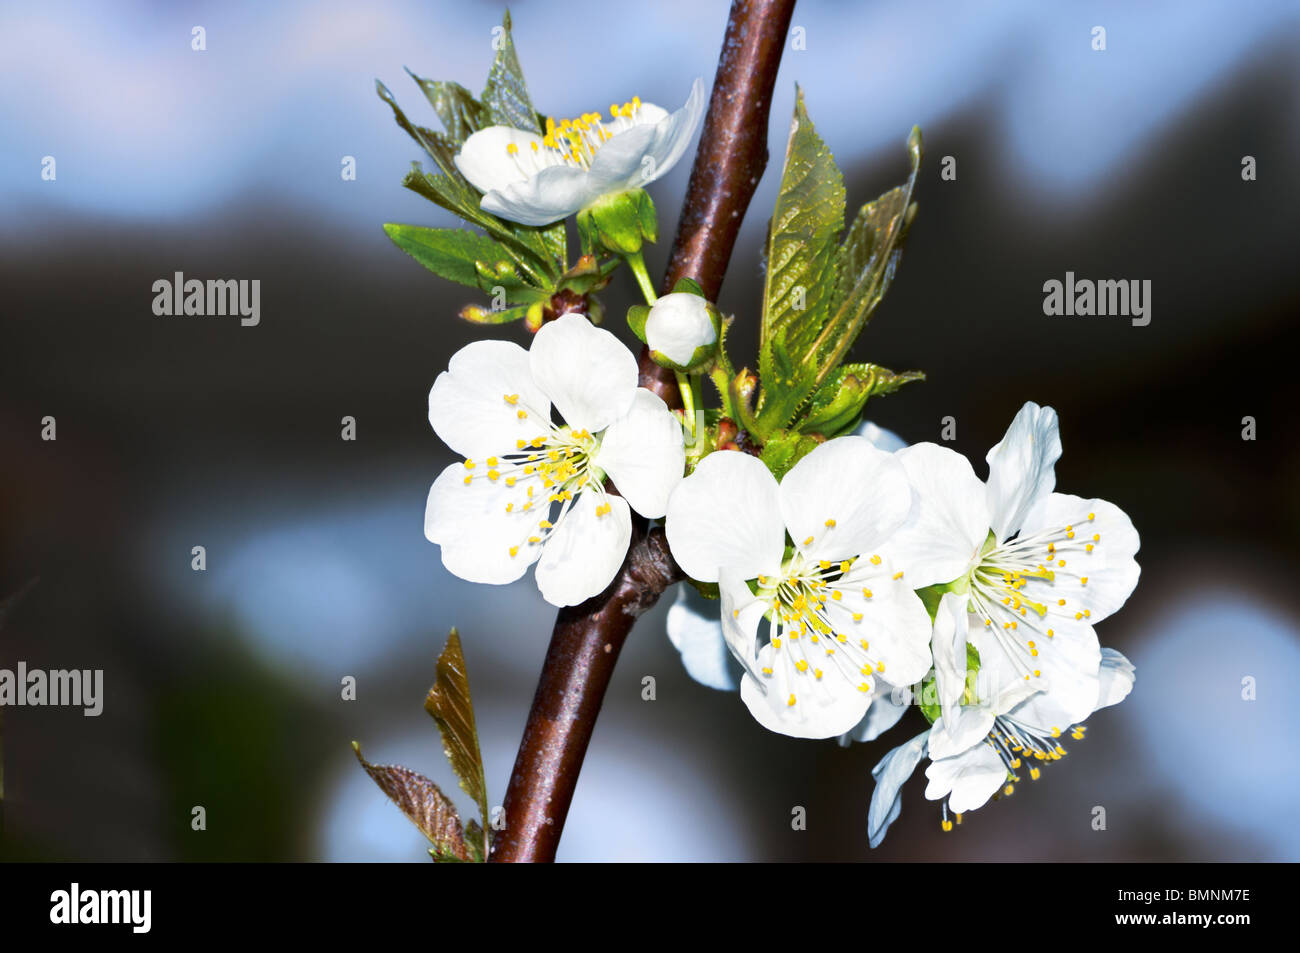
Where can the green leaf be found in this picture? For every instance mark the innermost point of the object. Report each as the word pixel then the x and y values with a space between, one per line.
pixel 801 253
pixel 460 112
pixel 526 245
pixel 506 95
pixel 865 266
pixel 838 403
pixel 459 255
pixel 451 706
pixel 424 805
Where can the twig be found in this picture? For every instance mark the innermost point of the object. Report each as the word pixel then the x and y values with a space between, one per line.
pixel 587 638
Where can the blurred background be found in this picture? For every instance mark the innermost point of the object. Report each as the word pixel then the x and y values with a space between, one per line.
pixel 223 687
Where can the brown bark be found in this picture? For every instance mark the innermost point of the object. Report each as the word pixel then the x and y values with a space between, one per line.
pixel 587 638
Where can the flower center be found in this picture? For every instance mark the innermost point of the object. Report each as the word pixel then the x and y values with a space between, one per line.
pixel 812 609
pixel 544 474
pixel 1015 743
pixel 1005 578
pixel 574 142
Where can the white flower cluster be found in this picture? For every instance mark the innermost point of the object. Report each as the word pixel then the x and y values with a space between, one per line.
pixel 818 574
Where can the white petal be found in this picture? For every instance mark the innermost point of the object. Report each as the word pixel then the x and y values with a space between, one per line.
pixel 585 550
pixel 1117 676
pixel 799 704
pixel 893 620
pixel 476 533
pixel 948 645
pixel 1068 663
pixel 644 454
pixel 624 161
pixel 888 708
pixel 726 513
pixel 695 629
pixel 679 324
pixel 881 438
pixel 485 160
pixel 1022 467
pixel 468 407
pixel 890 774
pixel 740 614
pixel 1109 568
pixel 846 496
pixel 587 372
pixel 960 730
pixel 948 521
pixel 968 779
pixel 549 196
pixel 673 135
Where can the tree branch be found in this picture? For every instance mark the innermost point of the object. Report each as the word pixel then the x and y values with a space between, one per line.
pixel 587 638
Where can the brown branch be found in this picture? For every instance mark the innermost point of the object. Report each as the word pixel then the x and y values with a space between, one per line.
pixel 587 638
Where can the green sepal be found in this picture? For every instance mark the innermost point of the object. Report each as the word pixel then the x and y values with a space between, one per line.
pixel 688 286
pixel 636 318
pixel 619 222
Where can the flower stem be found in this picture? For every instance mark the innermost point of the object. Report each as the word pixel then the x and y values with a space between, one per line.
pixel 585 643
pixel 636 261
pixel 686 384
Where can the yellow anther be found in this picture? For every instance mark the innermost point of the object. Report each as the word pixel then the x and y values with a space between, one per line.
pixel 1087 613
pixel 830 524
pixel 1038 673
pixel 1078 616
pixel 864 687
pixel 469 464
pixel 1051 634
pixel 875 560
pixel 545 524
pixel 468 479
pixel 866 592
pixel 1088 548
pixel 521 414
pixel 844 566
pixel 493 475
pixel 823 564
pixel 1096 537
pixel 534 539
pixel 836 595
pixel 1060 602
pixel 801 665
pixel 1008 789
pixel 510 507
pixel 790 703
pixel 520 444
pixel 898 575
pixel 817 672
pixel 1034 774
pixel 857 617
pixel 808 541
pixel 1092 516
pixel 766 670
pixel 776 643
pixel 1083 580
pixel 512 398
pixel 514 550
pixel 947 825
pixel 512 149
